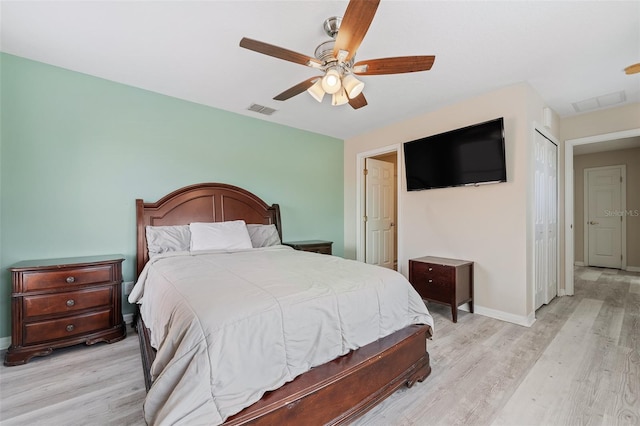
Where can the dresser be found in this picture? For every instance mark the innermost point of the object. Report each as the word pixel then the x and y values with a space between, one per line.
pixel 315 246
pixel 63 302
pixel 443 280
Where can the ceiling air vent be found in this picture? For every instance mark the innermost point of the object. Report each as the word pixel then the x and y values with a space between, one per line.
pixel 261 109
pixel 600 101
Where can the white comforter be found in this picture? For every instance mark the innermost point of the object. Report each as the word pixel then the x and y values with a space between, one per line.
pixel 229 326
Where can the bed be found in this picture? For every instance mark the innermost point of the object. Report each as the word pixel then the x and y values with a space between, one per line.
pixel 335 391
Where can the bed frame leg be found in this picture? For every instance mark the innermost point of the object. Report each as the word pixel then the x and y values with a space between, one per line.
pixel 422 372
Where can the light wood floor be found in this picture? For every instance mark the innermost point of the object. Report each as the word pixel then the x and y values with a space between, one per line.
pixel 578 364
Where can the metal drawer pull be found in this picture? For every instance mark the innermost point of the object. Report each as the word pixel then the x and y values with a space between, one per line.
pixel 430 281
pixel 70 327
pixel 70 279
pixel 431 269
pixel 71 302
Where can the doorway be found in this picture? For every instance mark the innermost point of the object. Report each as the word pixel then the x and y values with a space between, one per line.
pixel 377 207
pixel 569 230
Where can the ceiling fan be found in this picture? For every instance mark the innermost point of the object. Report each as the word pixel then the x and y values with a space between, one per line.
pixel 336 58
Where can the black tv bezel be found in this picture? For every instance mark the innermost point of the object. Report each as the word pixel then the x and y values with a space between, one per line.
pixel 460 129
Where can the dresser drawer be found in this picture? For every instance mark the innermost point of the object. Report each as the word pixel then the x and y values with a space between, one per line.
pixel 42 331
pixel 42 280
pixel 70 301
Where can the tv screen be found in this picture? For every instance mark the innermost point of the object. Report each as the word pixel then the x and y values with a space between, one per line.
pixel 471 155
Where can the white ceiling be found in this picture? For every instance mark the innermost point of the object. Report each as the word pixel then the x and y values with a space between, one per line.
pixel 568 51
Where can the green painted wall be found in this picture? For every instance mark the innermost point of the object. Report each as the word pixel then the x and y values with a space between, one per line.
pixel 76 151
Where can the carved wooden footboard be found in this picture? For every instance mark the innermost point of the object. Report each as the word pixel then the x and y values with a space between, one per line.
pixel 336 392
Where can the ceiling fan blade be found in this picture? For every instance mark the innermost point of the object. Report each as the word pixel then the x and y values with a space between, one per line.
pixel 398 65
pixel 358 102
pixel 354 26
pixel 632 69
pixel 278 52
pixel 297 89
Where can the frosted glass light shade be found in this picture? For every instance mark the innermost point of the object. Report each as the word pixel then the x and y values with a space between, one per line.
pixel 339 98
pixel 316 90
pixel 352 85
pixel 331 82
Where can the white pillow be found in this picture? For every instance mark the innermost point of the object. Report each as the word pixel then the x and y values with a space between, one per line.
pixel 263 235
pixel 220 235
pixel 162 239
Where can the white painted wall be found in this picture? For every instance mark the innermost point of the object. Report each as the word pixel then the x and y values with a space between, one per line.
pixel 487 224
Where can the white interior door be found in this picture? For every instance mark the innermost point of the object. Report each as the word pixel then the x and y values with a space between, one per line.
pixel 379 213
pixel 603 215
pixel 545 220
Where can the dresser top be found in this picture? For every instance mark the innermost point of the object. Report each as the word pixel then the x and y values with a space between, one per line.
pixel 66 261
pixel 442 261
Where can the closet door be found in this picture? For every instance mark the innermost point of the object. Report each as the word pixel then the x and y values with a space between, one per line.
pixel 552 220
pixel 546 219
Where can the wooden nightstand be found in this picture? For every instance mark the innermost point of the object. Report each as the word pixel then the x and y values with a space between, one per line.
pixel 63 302
pixel 315 246
pixel 441 280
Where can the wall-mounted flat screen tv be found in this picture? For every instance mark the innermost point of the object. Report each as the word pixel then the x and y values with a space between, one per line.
pixel 472 155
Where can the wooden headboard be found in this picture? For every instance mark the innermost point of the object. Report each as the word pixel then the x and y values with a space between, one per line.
pixel 204 202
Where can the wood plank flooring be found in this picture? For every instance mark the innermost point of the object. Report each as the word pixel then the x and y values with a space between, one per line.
pixel 578 364
pixel 83 385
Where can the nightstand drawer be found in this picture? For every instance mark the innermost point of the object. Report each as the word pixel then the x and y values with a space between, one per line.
pixel 61 303
pixel 33 281
pixel 320 249
pixel 42 331
pixel 433 272
pixel 433 289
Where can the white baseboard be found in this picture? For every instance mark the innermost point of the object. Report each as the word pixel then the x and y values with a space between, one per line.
pixel 578 263
pixel 500 315
pixel 5 342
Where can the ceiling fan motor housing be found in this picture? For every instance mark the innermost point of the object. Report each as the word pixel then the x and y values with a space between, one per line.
pixel 324 52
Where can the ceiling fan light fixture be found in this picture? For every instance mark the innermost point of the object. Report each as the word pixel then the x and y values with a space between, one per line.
pixel 331 81
pixel 317 91
pixel 352 85
pixel 339 98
